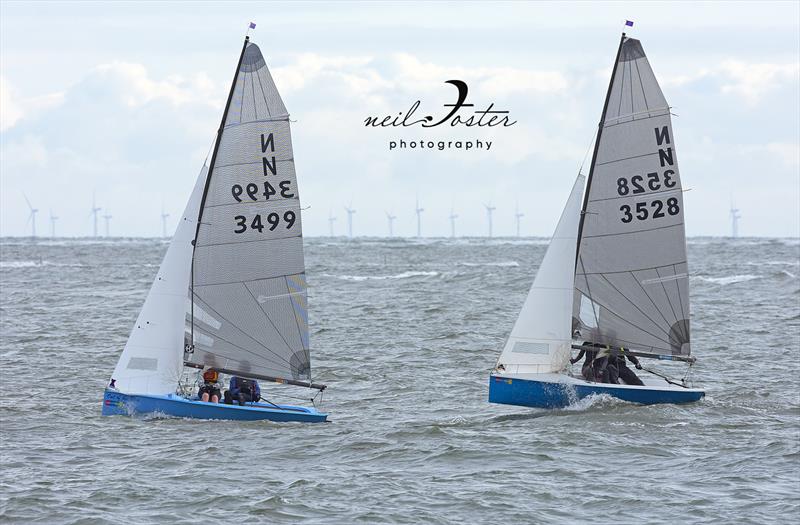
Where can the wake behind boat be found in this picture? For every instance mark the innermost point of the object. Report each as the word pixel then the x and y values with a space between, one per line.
pixel 230 294
pixel 624 292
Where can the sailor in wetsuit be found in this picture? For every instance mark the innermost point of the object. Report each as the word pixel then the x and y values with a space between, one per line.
pixel 625 373
pixel 210 391
pixel 242 390
pixel 587 368
pixel 599 365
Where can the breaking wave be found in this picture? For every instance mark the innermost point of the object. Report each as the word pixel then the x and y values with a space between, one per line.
pixel 731 279
pixel 504 264
pixel 404 275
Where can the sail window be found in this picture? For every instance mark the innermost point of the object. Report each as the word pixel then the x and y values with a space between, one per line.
pixel 143 363
pixel 589 312
pixel 521 347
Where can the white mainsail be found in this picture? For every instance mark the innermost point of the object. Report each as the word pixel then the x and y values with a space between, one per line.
pixel 631 282
pixel 541 338
pixel 152 360
pixel 249 287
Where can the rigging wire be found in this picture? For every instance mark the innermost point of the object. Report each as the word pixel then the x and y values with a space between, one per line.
pixel 591 143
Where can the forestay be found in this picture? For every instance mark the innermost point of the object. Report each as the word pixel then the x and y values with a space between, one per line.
pixel 249 286
pixel 631 277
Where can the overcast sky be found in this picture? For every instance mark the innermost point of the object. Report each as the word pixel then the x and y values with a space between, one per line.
pixel 123 100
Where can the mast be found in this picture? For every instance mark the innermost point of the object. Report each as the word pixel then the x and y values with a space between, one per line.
pixel 208 180
pixel 596 148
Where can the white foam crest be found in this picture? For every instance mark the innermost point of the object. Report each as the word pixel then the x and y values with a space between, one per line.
pixel 591 401
pixel 731 279
pixel 404 275
pixel 773 263
pixel 21 264
pixel 502 264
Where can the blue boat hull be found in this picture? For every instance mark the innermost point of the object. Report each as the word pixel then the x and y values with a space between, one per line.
pixel 549 393
pixel 119 404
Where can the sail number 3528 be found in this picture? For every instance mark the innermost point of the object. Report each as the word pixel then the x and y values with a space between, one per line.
pixel 273 221
pixel 655 210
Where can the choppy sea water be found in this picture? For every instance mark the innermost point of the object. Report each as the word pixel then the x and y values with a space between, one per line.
pixel 404 333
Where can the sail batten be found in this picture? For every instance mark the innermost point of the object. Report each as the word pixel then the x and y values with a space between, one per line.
pixel 631 263
pixel 248 267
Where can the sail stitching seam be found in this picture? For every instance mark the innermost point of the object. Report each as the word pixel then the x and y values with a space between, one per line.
pixel 257 202
pixel 667 295
pixel 630 81
pixel 297 323
pixel 641 84
pixel 648 296
pixel 262 279
pixel 246 242
pixel 661 192
pixel 258 162
pixel 635 305
pixel 626 158
pixel 241 103
pixel 253 90
pixel 680 303
pixel 634 119
pixel 208 333
pixel 636 270
pixel 635 231
pixel 263 93
pixel 267 316
pixel 612 312
pixel 243 332
pixel 621 91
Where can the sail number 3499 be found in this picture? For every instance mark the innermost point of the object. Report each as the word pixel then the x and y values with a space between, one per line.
pixel 273 220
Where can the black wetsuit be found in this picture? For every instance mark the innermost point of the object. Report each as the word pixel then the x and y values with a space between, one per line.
pixel 625 373
pixel 587 371
pixel 605 369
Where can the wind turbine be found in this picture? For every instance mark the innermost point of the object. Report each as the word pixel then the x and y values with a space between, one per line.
pixel 735 216
pixel 94 211
pixel 391 219
pixel 350 211
pixel 489 210
pixel 107 218
pixel 53 220
pixel 518 216
pixel 453 218
pixel 419 217
pixel 31 216
pixel 164 217
pixel 331 220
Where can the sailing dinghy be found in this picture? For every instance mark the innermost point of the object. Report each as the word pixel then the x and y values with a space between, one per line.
pixel 231 291
pixel 625 288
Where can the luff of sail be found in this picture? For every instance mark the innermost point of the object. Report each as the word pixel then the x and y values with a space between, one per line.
pixel 249 287
pixel 631 276
pixel 541 338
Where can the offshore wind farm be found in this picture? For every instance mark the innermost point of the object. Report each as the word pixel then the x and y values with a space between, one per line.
pixel 512 227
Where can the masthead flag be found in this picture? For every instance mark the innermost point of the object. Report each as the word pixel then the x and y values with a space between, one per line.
pixel 628 23
pixel 253 25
